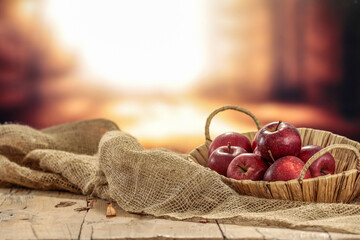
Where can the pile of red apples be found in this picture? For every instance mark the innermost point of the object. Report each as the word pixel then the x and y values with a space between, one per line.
pixel 275 154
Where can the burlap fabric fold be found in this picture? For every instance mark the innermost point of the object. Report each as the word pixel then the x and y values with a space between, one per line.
pixel 95 158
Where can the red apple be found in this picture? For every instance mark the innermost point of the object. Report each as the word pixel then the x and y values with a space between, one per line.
pixel 247 166
pixel 285 169
pixel 220 159
pixel 278 139
pixel 236 139
pixel 322 166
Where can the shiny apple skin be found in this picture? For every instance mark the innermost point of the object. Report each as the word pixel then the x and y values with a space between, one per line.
pixel 324 165
pixel 283 141
pixel 220 159
pixel 247 166
pixel 285 169
pixel 235 139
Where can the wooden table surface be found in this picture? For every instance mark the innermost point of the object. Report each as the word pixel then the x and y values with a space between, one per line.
pixel 31 214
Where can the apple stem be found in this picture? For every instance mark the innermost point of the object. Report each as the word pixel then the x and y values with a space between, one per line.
pixel 272 157
pixel 278 125
pixel 244 170
pixel 229 146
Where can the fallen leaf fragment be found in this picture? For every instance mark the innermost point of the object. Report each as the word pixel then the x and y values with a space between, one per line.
pixel 79 209
pixel 110 211
pixel 64 204
pixel 87 208
pixel 91 204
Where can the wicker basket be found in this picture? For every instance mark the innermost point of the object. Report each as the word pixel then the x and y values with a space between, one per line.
pixel 343 186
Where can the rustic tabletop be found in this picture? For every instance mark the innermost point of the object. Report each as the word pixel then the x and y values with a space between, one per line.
pixel 31 214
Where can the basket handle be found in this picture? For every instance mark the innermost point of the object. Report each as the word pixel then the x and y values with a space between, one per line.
pixel 223 108
pixel 325 150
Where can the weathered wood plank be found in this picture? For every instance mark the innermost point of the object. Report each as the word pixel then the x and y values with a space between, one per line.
pixel 338 236
pixel 134 226
pixel 27 214
pixel 235 232
pixel 32 215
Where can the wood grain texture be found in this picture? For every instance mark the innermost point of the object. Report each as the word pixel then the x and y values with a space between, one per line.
pixel 30 214
pixel 234 232
pixel 134 226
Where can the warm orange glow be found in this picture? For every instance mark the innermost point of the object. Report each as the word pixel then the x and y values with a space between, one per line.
pixel 159 120
pixel 133 45
pixel 159 68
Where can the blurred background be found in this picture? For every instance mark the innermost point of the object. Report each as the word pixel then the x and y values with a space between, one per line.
pixel 159 68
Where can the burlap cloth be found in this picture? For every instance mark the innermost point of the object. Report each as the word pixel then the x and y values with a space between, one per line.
pixel 95 158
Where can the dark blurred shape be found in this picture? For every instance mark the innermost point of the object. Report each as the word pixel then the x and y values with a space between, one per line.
pixel 350 86
pixel 307 51
pixel 301 51
pixel 27 58
pixel 19 72
pixel 317 54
